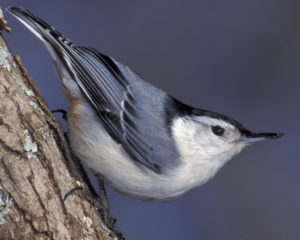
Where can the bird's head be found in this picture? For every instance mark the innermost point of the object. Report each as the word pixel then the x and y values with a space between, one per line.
pixel 213 137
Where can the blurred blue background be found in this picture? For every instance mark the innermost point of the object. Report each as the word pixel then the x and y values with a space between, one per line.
pixel 240 58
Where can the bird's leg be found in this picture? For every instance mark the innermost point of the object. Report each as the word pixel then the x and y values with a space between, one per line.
pixel 108 219
pixel 100 201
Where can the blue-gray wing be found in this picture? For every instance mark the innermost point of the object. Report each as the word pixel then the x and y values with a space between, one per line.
pixel 132 111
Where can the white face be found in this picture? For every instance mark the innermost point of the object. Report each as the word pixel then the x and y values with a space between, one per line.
pixel 216 137
pixel 207 139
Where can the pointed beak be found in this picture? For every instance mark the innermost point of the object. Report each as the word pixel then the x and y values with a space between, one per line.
pixel 250 137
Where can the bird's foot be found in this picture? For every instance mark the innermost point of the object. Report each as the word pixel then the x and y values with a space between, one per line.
pixel 108 219
pixel 63 112
pixel 101 203
pixel 65 117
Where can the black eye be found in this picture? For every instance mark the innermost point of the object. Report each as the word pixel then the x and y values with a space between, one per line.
pixel 217 130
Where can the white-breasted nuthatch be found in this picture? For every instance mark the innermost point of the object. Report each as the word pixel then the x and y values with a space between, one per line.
pixel 143 141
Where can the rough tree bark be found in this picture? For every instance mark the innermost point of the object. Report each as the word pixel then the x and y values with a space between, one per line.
pixel 36 166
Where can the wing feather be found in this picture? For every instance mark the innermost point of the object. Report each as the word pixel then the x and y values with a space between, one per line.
pixel 131 110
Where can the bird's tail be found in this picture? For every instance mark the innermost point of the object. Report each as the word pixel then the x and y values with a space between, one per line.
pixel 41 29
pixel 56 44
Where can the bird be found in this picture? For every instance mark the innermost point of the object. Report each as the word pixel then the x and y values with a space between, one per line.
pixel 145 143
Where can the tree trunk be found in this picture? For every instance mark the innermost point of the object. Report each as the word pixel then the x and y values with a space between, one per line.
pixel 37 168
